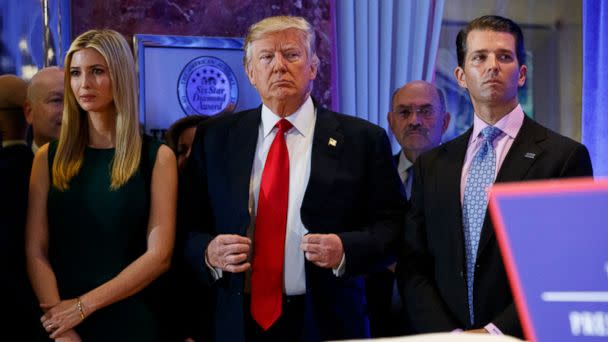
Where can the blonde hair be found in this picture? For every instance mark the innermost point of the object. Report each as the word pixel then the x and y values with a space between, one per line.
pixel 74 127
pixel 280 23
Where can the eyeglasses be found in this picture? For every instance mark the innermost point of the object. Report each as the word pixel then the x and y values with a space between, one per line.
pixel 422 111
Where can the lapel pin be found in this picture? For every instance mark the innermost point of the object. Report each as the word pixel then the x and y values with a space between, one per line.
pixel 530 155
pixel 332 142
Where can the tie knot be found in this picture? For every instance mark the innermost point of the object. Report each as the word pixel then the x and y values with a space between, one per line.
pixel 490 133
pixel 283 125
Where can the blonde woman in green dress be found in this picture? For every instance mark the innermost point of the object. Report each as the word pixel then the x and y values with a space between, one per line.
pixel 102 206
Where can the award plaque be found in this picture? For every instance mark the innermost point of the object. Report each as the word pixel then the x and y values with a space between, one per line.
pixel 183 75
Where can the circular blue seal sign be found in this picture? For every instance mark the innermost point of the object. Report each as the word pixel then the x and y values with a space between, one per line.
pixel 207 86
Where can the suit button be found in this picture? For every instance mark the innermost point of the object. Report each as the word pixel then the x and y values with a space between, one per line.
pixel 477 266
pixel 238 293
pixel 461 274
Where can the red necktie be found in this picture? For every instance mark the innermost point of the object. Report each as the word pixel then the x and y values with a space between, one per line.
pixel 269 234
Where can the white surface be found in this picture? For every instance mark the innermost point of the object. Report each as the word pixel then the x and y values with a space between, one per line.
pixel 580 296
pixel 450 337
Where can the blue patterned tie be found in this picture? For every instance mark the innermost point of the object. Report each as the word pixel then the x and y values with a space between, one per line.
pixel 481 176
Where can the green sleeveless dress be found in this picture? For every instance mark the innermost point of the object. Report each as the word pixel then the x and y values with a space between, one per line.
pixel 94 233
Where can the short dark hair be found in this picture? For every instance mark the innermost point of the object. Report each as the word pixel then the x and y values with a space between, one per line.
pixel 491 23
pixel 176 129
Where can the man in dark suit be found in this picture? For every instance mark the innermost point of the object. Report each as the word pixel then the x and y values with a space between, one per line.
pixel 15 165
pixel 288 204
pixel 418 118
pixel 451 274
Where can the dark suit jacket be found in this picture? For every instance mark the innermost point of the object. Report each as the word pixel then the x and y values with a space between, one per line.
pixel 431 272
pixel 353 191
pixel 19 302
pixel 384 320
pixel 15 167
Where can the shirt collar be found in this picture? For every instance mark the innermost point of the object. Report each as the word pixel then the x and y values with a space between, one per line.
pixel 302 119
pixel 35 146
pixel 404 163
pixel 7 143
pixel 509 124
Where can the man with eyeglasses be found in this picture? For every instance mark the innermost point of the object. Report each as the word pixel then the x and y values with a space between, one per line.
pixel 418 118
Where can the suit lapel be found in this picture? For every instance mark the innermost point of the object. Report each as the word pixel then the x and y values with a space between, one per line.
pixel 327 147
pixel 449 184
pixel 242 142
pixel 522 154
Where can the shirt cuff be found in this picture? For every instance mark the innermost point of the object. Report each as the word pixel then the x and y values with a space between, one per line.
pixel 339 271
pixel 216 272
pixel 492 329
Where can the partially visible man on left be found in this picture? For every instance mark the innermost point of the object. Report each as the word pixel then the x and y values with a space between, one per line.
pixel 289 204
pixel 44 105
pixel 15 165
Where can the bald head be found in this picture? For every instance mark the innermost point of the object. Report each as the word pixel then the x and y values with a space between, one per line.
pixel 418 117
pixel 44 79
pixel 44 105
pixel 419 86
pixel 12 96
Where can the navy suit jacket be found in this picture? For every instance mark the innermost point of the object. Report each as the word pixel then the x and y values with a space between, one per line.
pixel 15 168
pixel 353 191
pixel 432 272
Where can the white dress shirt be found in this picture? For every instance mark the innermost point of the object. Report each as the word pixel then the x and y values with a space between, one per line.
pixel 8 143
pixel 35 147
pixel 299 146
pixel 403 165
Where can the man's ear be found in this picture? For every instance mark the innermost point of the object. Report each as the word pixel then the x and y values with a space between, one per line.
pixel 390 119
pixel 459 74
pixel 446 122
pixel 314 67
pixel 523 71
pixel 28 111
pixel 249 71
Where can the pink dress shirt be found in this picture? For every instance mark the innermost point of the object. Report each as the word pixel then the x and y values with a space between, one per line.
pixel 509 125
